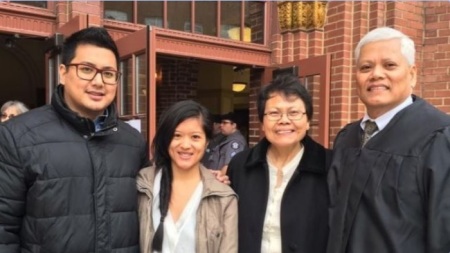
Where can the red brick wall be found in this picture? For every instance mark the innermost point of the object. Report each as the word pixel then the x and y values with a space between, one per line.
pixel 179 81
pixel 339 36
pixel 254 133
pixel 427 23
pixel 435 58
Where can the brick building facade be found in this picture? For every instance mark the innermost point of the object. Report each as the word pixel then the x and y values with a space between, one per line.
pixel 427 23
pixel 183 71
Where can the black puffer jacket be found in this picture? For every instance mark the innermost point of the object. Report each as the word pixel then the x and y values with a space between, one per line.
pixel 64 188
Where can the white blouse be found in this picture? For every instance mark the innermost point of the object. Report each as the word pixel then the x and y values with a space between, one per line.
pixel 271 237
pixel 179 236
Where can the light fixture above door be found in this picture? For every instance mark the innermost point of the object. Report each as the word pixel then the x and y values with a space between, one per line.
pixel 240 80
pixel 239 86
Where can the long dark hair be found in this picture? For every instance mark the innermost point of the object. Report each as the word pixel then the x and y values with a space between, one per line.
pixel 168 122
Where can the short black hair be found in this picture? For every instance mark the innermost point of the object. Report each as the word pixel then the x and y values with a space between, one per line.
pixel 96 36
pixel 230 116
pixel 216 118
pixel 287 85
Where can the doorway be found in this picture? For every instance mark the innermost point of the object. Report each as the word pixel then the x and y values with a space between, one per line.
pixel 207 82
pixel 22 69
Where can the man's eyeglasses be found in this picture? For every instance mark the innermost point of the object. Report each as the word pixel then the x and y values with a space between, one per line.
pixel 6 116
pixel 88 73
pixel 292 115
pixel 224 122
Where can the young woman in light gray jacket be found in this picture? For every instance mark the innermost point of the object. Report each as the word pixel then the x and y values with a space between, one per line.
pixel 182 207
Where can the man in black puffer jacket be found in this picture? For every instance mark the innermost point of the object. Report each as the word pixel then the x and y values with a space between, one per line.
pixel 67 170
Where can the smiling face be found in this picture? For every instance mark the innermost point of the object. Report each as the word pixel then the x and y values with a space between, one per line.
pixel 88 98
pixel 384 77
pixel 284 133
pixel 188 145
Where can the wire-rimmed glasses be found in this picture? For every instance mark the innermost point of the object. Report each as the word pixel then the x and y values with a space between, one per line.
pixel 291 115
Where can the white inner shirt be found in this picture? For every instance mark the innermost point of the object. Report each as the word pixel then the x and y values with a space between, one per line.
pixel 179 237
pixel 384 119
pixel 271 237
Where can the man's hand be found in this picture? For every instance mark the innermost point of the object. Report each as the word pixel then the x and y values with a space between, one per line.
pixel 220 176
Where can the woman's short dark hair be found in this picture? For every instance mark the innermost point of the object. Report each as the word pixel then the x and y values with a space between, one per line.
pixel 167 125
pixel 287 85
pixel 96 36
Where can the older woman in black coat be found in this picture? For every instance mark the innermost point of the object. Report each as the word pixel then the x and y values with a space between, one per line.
pixel 281 182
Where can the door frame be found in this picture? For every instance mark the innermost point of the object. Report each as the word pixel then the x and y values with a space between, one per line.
pixel 54 52
pixel 141 42
pixel 313 66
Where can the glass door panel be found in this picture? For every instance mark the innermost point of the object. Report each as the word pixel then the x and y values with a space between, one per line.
pixel 141 83
pixel 138 90
pixel 126 87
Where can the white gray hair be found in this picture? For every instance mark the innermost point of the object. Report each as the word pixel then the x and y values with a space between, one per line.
pixel 386 33
pixel 21 107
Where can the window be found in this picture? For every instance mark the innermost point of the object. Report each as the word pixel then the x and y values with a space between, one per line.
pixel 150 13
pixel 118 10
pixel 179 15
pixel 133 99
pixel 230 20
pixel 205 18
pixel 239 20
pixel 40 4
pixel 126 89
pixel 141 83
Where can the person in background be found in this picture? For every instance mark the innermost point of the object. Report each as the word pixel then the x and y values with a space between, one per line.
pixel 233 143
pixel 390 176
pixel 182 207
pixel 282 181
pixel 11 109
pixel 218 137
pixel 68 169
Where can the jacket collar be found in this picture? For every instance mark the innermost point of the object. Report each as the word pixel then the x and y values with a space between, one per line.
pixel 312 160
pixel 211 186
pixel 81 124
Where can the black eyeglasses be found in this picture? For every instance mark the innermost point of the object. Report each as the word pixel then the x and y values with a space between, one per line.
pixel 88 73
pixel 291 115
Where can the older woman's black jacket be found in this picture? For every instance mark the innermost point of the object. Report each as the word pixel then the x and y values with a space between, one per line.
pixel 64 187
pixel 304 207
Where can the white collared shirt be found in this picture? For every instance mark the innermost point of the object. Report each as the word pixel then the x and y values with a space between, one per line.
pixel 384 119
pixel 271 237
pixel 179 236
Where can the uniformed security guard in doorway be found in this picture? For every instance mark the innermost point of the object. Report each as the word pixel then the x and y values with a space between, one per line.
pixel 208 159
pixel 233 144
